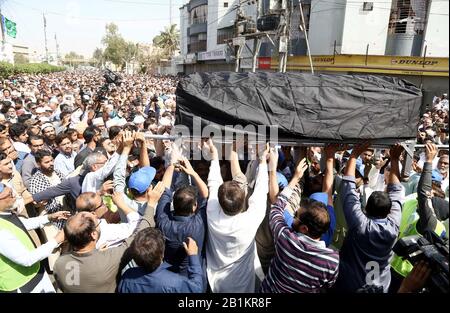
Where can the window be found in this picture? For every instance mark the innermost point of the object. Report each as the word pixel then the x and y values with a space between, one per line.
pixel 224 34
pixel 225 4
pixel 408 17
pixel 199 15
pixel 368 6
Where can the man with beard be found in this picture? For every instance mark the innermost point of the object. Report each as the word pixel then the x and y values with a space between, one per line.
pixel 29 166
pixel 442 167
pixel 64 161
pixel 91 136
pixel 45 178
pixel 49 133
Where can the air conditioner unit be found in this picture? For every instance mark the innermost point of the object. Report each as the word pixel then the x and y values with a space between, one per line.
pixel 268 22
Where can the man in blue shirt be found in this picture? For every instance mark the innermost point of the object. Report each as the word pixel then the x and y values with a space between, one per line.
pixel 153 275
pixel 367 249
pixel 188 219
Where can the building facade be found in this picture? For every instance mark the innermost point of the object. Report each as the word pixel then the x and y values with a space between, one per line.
pixel 412 28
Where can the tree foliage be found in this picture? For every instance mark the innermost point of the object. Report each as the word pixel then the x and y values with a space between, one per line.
pixel 115 45
pixel 98 57
pixel 8 70
pixel 168 40
pixel 20 59
pixel 72 55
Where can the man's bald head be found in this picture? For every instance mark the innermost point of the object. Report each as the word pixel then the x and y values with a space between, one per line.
pixel 91 202
pixel 86 202
pixel 81 230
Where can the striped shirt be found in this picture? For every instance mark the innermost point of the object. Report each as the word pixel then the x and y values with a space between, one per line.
pixel 301 264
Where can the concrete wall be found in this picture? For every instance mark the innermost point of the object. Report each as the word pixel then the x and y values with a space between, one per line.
pixel 184 24
pixel 326 25
pixel 436 33
pixel 362 28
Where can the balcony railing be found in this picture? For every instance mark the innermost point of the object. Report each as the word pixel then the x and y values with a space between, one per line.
pixel 199 20
pixel 199 46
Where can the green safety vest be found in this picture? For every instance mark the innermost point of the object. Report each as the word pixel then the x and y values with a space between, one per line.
pixel 13 275
pixel 408 228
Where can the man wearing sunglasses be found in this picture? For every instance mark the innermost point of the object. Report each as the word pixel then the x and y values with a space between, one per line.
pixel 111 234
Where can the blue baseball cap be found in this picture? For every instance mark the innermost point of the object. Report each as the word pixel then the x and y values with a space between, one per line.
pixel 282 181
pixel 360 167
pixel 142 179
pixel 320 197
pixel 436 176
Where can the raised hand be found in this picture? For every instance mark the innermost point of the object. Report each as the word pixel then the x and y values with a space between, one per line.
pixel 358 149
pixel 300 169
pixel 154 194
pixel 273 159
pixel 128 139
pixel 186 167
pixel 60 215
pixel 264 154
pixel 107 187
pixel 395 152
pixel 209 144
pixel 190 246
pixel 430 152
pixel 331 149
pixel 140 137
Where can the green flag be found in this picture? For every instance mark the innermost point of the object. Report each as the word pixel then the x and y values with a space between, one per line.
pixel 10 27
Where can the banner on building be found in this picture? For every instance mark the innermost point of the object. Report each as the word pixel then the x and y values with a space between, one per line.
pixel 376 64
pixel 212 55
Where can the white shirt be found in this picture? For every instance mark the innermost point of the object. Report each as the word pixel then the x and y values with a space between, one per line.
pixel 112 235
pixel 231 249
pixel 94 180
pixel 20 146
pixel 423 159
pixel 65 163
pixel 14 250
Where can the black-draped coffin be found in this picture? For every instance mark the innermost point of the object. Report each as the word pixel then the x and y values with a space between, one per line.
pixel 320 108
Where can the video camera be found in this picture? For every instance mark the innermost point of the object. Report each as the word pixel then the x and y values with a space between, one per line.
pixel 433 250
pixel 111 78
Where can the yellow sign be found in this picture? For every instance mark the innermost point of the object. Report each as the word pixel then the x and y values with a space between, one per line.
pixel 369 64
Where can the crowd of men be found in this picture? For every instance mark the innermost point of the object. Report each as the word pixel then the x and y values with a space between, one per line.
pixel 89 202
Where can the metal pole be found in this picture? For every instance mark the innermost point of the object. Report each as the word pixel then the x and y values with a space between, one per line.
pixel 57 50
pixel 334 52
pixel 170 11
pixel 367 53
pixel 424 55
pixel 257 46
pixel 3 32
pixel 45 37
pixel 306 37
pixel 238 58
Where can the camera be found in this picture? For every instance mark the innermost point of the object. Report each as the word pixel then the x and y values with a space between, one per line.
pixel 112 78
pixel 433 250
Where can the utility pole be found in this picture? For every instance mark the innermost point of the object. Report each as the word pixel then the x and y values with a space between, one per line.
pixel 57 50
pixel 303 27
pixel 3 32
pixel 284 37
pixel 170 11
pixel 45 37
